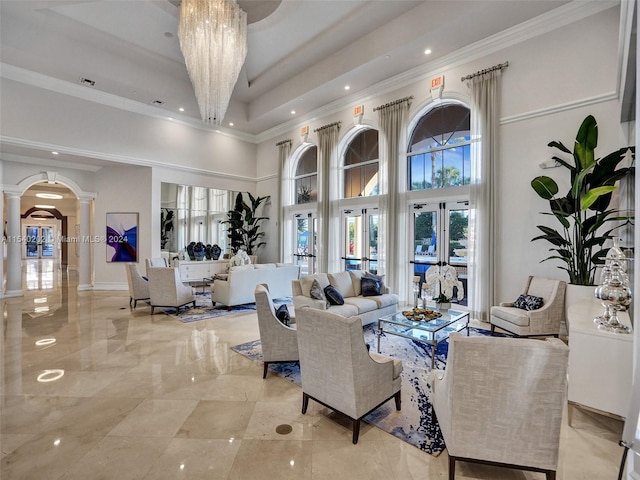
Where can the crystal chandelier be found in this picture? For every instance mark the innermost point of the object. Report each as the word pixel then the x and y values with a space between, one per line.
pixel 213 40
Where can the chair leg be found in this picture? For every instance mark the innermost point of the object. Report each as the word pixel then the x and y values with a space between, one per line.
pixel 152 307
pixel 266 369
pixel 130 300
pixel 135 304
pixel 452 467
pixel 493 329
pixel 398 398
pixel 551 475
pixel 305 402
pixel 356 431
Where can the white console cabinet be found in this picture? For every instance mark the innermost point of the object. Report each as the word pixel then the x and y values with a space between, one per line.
pixel 600 362
pixel 194 271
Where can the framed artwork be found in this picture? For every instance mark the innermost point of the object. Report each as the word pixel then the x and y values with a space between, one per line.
pixel 122 237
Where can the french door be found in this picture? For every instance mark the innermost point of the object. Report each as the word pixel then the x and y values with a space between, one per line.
pixel 360 234
pixel 305 241
pixel 39 241
pixel 440 238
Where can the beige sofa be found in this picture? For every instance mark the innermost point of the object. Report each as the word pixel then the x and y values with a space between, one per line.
pixel 240 283
pixel 369 309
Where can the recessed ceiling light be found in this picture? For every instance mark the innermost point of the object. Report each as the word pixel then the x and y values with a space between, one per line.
pixel 55 153
pixel 347 87
pixel 170 118
pixel 231 124
pixel 181 109
pixel 45 206
pixel 293 112
pixel 50 196
pixel 427 51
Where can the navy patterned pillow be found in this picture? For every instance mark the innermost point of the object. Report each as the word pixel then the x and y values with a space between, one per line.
pixel 370 287
pixel 528 302
pixel 282 312
pixel 333 295
pixel 317 293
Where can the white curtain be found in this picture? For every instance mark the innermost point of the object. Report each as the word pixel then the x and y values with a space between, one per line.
pixel 485 89
pixel 284 150
pixel 328 225
pixel 392 203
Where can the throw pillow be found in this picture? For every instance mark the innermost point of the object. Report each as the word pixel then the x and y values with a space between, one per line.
pixel 282 312
pixel 370 287
pixel 528 302
pixel 333 295
pixel 380 278
pixel 317 293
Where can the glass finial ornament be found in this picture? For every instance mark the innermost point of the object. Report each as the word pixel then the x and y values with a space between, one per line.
pixel 614 291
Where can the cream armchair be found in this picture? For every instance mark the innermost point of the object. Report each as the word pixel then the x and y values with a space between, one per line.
pixel 138 286
pixel 506 409
pixel 155 262
pixel 279 342
pixel 338 371
pixel 544 321
pixel 166 289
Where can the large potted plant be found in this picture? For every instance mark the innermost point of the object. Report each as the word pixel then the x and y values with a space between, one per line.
pixel 244 225
pixel 584 213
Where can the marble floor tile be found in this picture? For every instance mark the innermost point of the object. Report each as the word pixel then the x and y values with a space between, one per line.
pixel 152 398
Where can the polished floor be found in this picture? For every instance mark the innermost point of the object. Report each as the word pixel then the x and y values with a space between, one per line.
pixel 94 390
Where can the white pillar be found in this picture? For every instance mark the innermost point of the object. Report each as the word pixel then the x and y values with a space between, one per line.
pixel 84 246
pixel 14 246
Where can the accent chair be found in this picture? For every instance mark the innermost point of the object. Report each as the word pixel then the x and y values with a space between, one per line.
pixel 279 341
pixel 155 262
pixel 337 369
pixel 166 289
pixel 544 321
pixel 138 285
pixel 500 401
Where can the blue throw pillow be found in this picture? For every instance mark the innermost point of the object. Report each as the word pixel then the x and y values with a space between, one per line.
pixel 282 312
pixel 528 302
pixel 333 295
pixel 370 287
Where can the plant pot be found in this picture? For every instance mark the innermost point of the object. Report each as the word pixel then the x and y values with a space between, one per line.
pixel 443 306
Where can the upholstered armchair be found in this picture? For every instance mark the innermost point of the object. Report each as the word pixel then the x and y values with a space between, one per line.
pixel 279 341
pixel 155 262
pixel 500 401
pixel 544 321
pixel 166 289
pixel 338 371
pixel 138 286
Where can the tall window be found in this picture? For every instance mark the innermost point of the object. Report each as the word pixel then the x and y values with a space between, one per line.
pixel 439 149
pixel 306 177
pixel 361 165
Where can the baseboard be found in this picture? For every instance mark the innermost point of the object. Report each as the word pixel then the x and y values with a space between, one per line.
pixel 110 286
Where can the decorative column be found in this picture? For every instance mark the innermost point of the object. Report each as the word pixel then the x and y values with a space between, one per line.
pixel 15 244
pixel 84 246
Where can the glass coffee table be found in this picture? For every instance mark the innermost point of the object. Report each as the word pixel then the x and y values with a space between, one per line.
pixel 431 332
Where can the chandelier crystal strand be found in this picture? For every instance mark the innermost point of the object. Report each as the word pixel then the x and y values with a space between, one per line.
pixel 213 40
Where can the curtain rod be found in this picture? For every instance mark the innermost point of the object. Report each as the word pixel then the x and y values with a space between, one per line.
pixel 327 126
pixel 289 141
pixel 405 99
pixel 500 66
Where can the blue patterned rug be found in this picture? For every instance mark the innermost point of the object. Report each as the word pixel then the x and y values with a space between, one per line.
pixel 204 310
pixel 415 423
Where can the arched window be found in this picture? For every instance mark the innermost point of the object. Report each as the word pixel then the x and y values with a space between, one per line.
pixel 361 165
pixel 306 177
pixel 439 153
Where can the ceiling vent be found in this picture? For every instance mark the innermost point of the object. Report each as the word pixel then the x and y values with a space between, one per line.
pixel 86 81
pixel 157 103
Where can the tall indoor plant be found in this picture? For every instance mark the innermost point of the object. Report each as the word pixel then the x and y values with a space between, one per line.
pixel 243 224
pixel 584 213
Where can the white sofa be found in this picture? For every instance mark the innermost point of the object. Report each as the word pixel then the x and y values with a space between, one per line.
pixel 240 283
pixel 369 309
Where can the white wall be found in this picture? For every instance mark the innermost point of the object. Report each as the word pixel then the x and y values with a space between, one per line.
pixel 553 81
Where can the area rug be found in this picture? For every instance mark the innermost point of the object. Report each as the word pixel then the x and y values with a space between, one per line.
pixel 415 423
pixel 204 310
